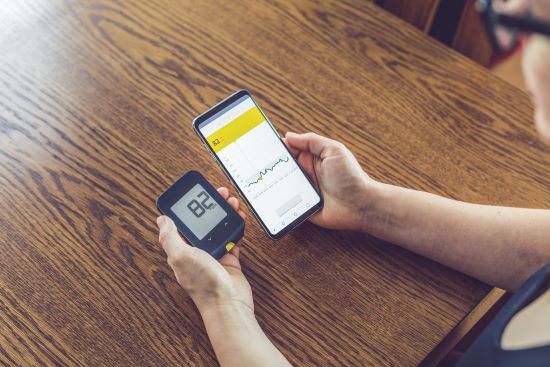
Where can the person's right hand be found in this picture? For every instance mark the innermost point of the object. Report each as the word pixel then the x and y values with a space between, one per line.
pixel 209 282
pixel 337 174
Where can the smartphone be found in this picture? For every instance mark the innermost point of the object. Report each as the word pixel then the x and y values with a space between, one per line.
pixel 249 150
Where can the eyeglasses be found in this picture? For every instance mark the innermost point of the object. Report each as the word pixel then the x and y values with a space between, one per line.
pixel 505 30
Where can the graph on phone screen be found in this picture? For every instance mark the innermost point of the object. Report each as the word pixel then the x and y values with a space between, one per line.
pixel 259 164
pixel 257 179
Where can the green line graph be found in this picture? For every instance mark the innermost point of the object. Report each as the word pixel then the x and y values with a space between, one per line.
pixel 265 171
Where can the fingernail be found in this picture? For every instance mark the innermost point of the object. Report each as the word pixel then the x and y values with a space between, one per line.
pixel 161 221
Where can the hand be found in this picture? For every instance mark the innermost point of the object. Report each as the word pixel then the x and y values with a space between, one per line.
pixel 208 282
pixel 339 177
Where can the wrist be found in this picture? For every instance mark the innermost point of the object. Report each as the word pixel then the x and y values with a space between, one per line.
pixel 376 197
pixel 237 338
pixel 224 293
pixel 215 309
pixel 225 322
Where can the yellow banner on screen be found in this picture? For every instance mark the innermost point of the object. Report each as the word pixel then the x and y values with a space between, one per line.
pixel 235 129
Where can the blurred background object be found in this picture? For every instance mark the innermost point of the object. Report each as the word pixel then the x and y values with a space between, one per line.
pixel 457 24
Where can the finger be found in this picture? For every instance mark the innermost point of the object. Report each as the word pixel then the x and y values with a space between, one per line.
pixel 305 160
pixel 309 142
pixel 224 192
pixel 295 152
pixel 231 259
pixel 236 251
pixel 233 202
pixel 242 214
pixel 169 238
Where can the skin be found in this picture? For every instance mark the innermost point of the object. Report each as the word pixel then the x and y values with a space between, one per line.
pixel 222 295
pixel 498 245
pixel 224 281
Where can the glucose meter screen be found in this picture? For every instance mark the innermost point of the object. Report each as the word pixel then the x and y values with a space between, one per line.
pixel 259 163
pixel 198 211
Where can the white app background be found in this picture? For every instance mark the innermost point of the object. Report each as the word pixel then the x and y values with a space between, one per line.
pixel 268 176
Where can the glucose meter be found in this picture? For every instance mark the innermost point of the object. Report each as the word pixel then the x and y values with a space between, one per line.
pixel 201 215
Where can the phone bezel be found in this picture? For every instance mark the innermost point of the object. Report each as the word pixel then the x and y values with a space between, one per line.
pixel 222 105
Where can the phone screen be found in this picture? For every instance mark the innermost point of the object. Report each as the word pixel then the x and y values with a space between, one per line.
pixel 260 164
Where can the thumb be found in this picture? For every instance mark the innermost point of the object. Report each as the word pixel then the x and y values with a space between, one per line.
pixel 169 238
pixel 309 142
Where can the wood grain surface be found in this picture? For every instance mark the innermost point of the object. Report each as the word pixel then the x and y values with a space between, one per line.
pixel 96 103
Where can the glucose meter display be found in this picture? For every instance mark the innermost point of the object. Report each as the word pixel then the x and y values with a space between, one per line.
pixel 198 211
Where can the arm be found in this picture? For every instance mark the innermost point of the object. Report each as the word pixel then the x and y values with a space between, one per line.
pixel 238 339
pixel 223 296
pixel 500 246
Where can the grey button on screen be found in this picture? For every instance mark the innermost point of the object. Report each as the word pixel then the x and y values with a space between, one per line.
pixel 289 205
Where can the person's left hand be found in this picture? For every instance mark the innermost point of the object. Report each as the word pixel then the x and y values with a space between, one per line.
pixel 208 282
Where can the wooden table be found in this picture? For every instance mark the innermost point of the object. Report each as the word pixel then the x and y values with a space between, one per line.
pixel 96 103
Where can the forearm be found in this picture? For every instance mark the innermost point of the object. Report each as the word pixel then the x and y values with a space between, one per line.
pixel 498 245
pixel 238 339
